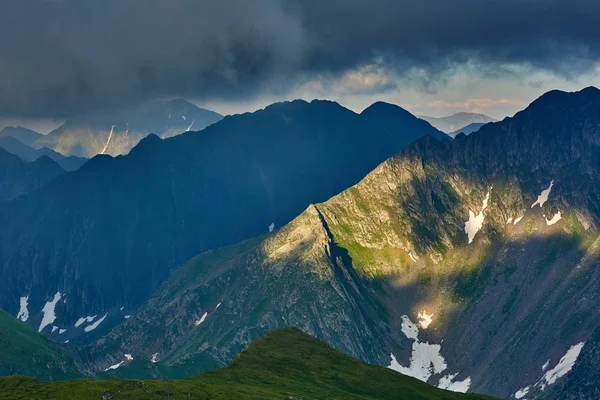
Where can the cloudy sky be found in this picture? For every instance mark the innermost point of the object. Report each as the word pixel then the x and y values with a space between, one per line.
pixel 65 57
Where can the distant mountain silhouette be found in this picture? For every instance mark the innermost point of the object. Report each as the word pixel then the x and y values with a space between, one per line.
pixel 457 121
pixel 18 177
pixel 29 154
pixel 24 135
pixel 467 130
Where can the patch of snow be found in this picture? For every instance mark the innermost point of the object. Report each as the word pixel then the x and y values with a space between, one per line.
pixel 112 129
pixel 183 117
pixel 122 308
pixel 129 357
pixel 409 329
pixel 447 382
pixel 23 314
pixel 563 367
pixel 272 227
pixel 557 217
pixel 93 326
pixel 218 305
pixel 201 320
pixel 84 319
pixel 54 328
pixel 127 316
pixel 517 220
pixel 543 197
pixel 522 392
pixel 545 366
pixel 48 310
pixel 189 128
pixel 475 222
pixel 412 257
pixel 115 366
pixel 426 360
pixel 61 331
pixel 66 341
pixel 509 221
pixel 425 319
pixel 154 358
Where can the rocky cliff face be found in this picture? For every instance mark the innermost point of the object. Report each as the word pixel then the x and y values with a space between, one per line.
pixel 470 264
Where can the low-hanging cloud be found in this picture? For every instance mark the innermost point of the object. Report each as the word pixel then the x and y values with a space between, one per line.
pixel 62 57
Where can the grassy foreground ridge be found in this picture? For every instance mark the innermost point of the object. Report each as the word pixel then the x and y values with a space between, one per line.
pixel 284 364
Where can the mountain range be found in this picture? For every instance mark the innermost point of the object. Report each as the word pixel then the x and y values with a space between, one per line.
pixel 116 132
pixel 89 248
pixel 23 135
pixel 29 154
pixel 471 265
pixel 458 121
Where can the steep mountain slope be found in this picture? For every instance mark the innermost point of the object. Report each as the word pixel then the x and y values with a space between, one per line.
pixel 456 121
pixel 23 135
pixel 467 130
pixel 23 351
pixel 116 132
pixel 97 242
pixel 470 264
pixel 29 154
pixel 18 177
pixel 285 364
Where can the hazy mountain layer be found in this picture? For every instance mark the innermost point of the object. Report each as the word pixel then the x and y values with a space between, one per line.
pixel 29 154
pixel 23 135
pixel 457 121
pixel 116 132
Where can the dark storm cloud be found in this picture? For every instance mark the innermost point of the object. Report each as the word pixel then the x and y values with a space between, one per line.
pixel 59 57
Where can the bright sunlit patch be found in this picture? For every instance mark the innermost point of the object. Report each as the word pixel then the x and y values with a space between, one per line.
pixel 425 319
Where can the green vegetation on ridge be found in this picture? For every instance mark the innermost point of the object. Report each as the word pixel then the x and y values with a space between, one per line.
pixel 284 364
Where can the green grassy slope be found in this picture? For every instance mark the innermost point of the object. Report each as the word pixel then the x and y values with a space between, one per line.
pixel 23 351
pixel 284 364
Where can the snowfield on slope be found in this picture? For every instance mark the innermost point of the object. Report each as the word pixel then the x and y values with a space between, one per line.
pixel 426 360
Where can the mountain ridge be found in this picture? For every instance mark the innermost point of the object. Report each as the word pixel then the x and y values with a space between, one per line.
pixel 446 262
pixel 178 196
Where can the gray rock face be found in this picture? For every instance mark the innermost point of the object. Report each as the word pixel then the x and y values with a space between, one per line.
pixel 468 264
